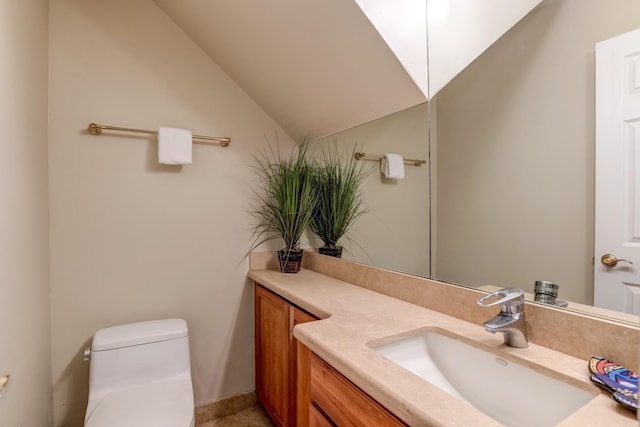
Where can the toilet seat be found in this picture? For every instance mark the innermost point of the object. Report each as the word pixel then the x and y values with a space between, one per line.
pixel 160 404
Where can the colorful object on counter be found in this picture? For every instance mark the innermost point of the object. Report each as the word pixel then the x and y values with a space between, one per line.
pixel 620 381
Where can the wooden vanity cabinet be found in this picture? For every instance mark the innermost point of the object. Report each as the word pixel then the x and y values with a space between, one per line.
pixel 295 386
pixel 276 355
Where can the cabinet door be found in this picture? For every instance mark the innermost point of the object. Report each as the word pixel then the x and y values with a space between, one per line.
pixel 272 319
pixel 301 362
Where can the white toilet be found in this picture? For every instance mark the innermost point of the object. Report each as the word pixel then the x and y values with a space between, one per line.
pixel 140 375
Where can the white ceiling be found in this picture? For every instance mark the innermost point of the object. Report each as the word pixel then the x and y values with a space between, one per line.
pixel 461 30
pixel 403 26
pixel 316 67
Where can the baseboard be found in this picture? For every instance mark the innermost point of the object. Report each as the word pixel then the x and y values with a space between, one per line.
pixel 221 408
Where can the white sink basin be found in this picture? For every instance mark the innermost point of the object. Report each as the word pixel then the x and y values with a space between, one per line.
pixel 510 393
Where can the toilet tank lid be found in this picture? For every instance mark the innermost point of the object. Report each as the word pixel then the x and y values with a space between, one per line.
pixel 138 333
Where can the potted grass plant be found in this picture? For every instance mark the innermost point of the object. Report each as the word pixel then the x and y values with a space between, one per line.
pixel 337 178
pixel 285 202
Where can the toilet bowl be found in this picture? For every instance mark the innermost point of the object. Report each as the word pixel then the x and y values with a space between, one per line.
pixel 140 375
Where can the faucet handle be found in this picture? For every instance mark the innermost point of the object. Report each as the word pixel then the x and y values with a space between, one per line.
pixel 507 297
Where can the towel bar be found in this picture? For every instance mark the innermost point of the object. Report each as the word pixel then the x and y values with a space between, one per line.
pixel 95 129
pixel 377 157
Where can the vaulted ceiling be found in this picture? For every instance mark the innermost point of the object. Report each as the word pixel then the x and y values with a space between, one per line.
pixel 320 67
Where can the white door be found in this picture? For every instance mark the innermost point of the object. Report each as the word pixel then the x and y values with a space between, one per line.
pixel 617 213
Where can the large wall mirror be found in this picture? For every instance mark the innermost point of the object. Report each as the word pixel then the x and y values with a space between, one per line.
pixel 511 196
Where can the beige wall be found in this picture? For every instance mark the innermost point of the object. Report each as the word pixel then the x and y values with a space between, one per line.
pixel 133 240
pixel 394 233
pixel 25 338
pixel 515 183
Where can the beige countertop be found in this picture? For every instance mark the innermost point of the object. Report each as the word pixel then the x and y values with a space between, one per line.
pixel 353 317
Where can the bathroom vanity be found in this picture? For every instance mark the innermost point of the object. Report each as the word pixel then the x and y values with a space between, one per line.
pixel 296 386
pixel 319 372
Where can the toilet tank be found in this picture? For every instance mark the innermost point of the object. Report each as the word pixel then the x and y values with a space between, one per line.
pixel 138 353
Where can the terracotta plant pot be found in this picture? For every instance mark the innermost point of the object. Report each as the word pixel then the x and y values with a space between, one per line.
pixel 290 260
pixel 334 251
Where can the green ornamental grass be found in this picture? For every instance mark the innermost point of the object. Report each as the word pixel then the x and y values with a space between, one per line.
pixel 285 198
pixel 337 178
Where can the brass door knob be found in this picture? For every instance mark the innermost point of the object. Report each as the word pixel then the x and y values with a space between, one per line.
pixel 610 260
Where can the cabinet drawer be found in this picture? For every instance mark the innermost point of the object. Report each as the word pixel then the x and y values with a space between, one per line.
pixel 343 402
pixel 317 418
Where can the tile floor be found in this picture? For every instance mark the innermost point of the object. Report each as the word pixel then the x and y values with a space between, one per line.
pixel 252 417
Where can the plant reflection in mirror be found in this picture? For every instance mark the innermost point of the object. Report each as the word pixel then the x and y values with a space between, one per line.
pixel 337 179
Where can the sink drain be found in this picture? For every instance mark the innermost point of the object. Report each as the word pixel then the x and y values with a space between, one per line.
pixel 502 362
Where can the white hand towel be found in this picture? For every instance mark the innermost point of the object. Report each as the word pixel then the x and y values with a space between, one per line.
pixel 174 146
pixel 392 166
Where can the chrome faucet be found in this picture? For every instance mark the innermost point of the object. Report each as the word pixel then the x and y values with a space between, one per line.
pixel 511 320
